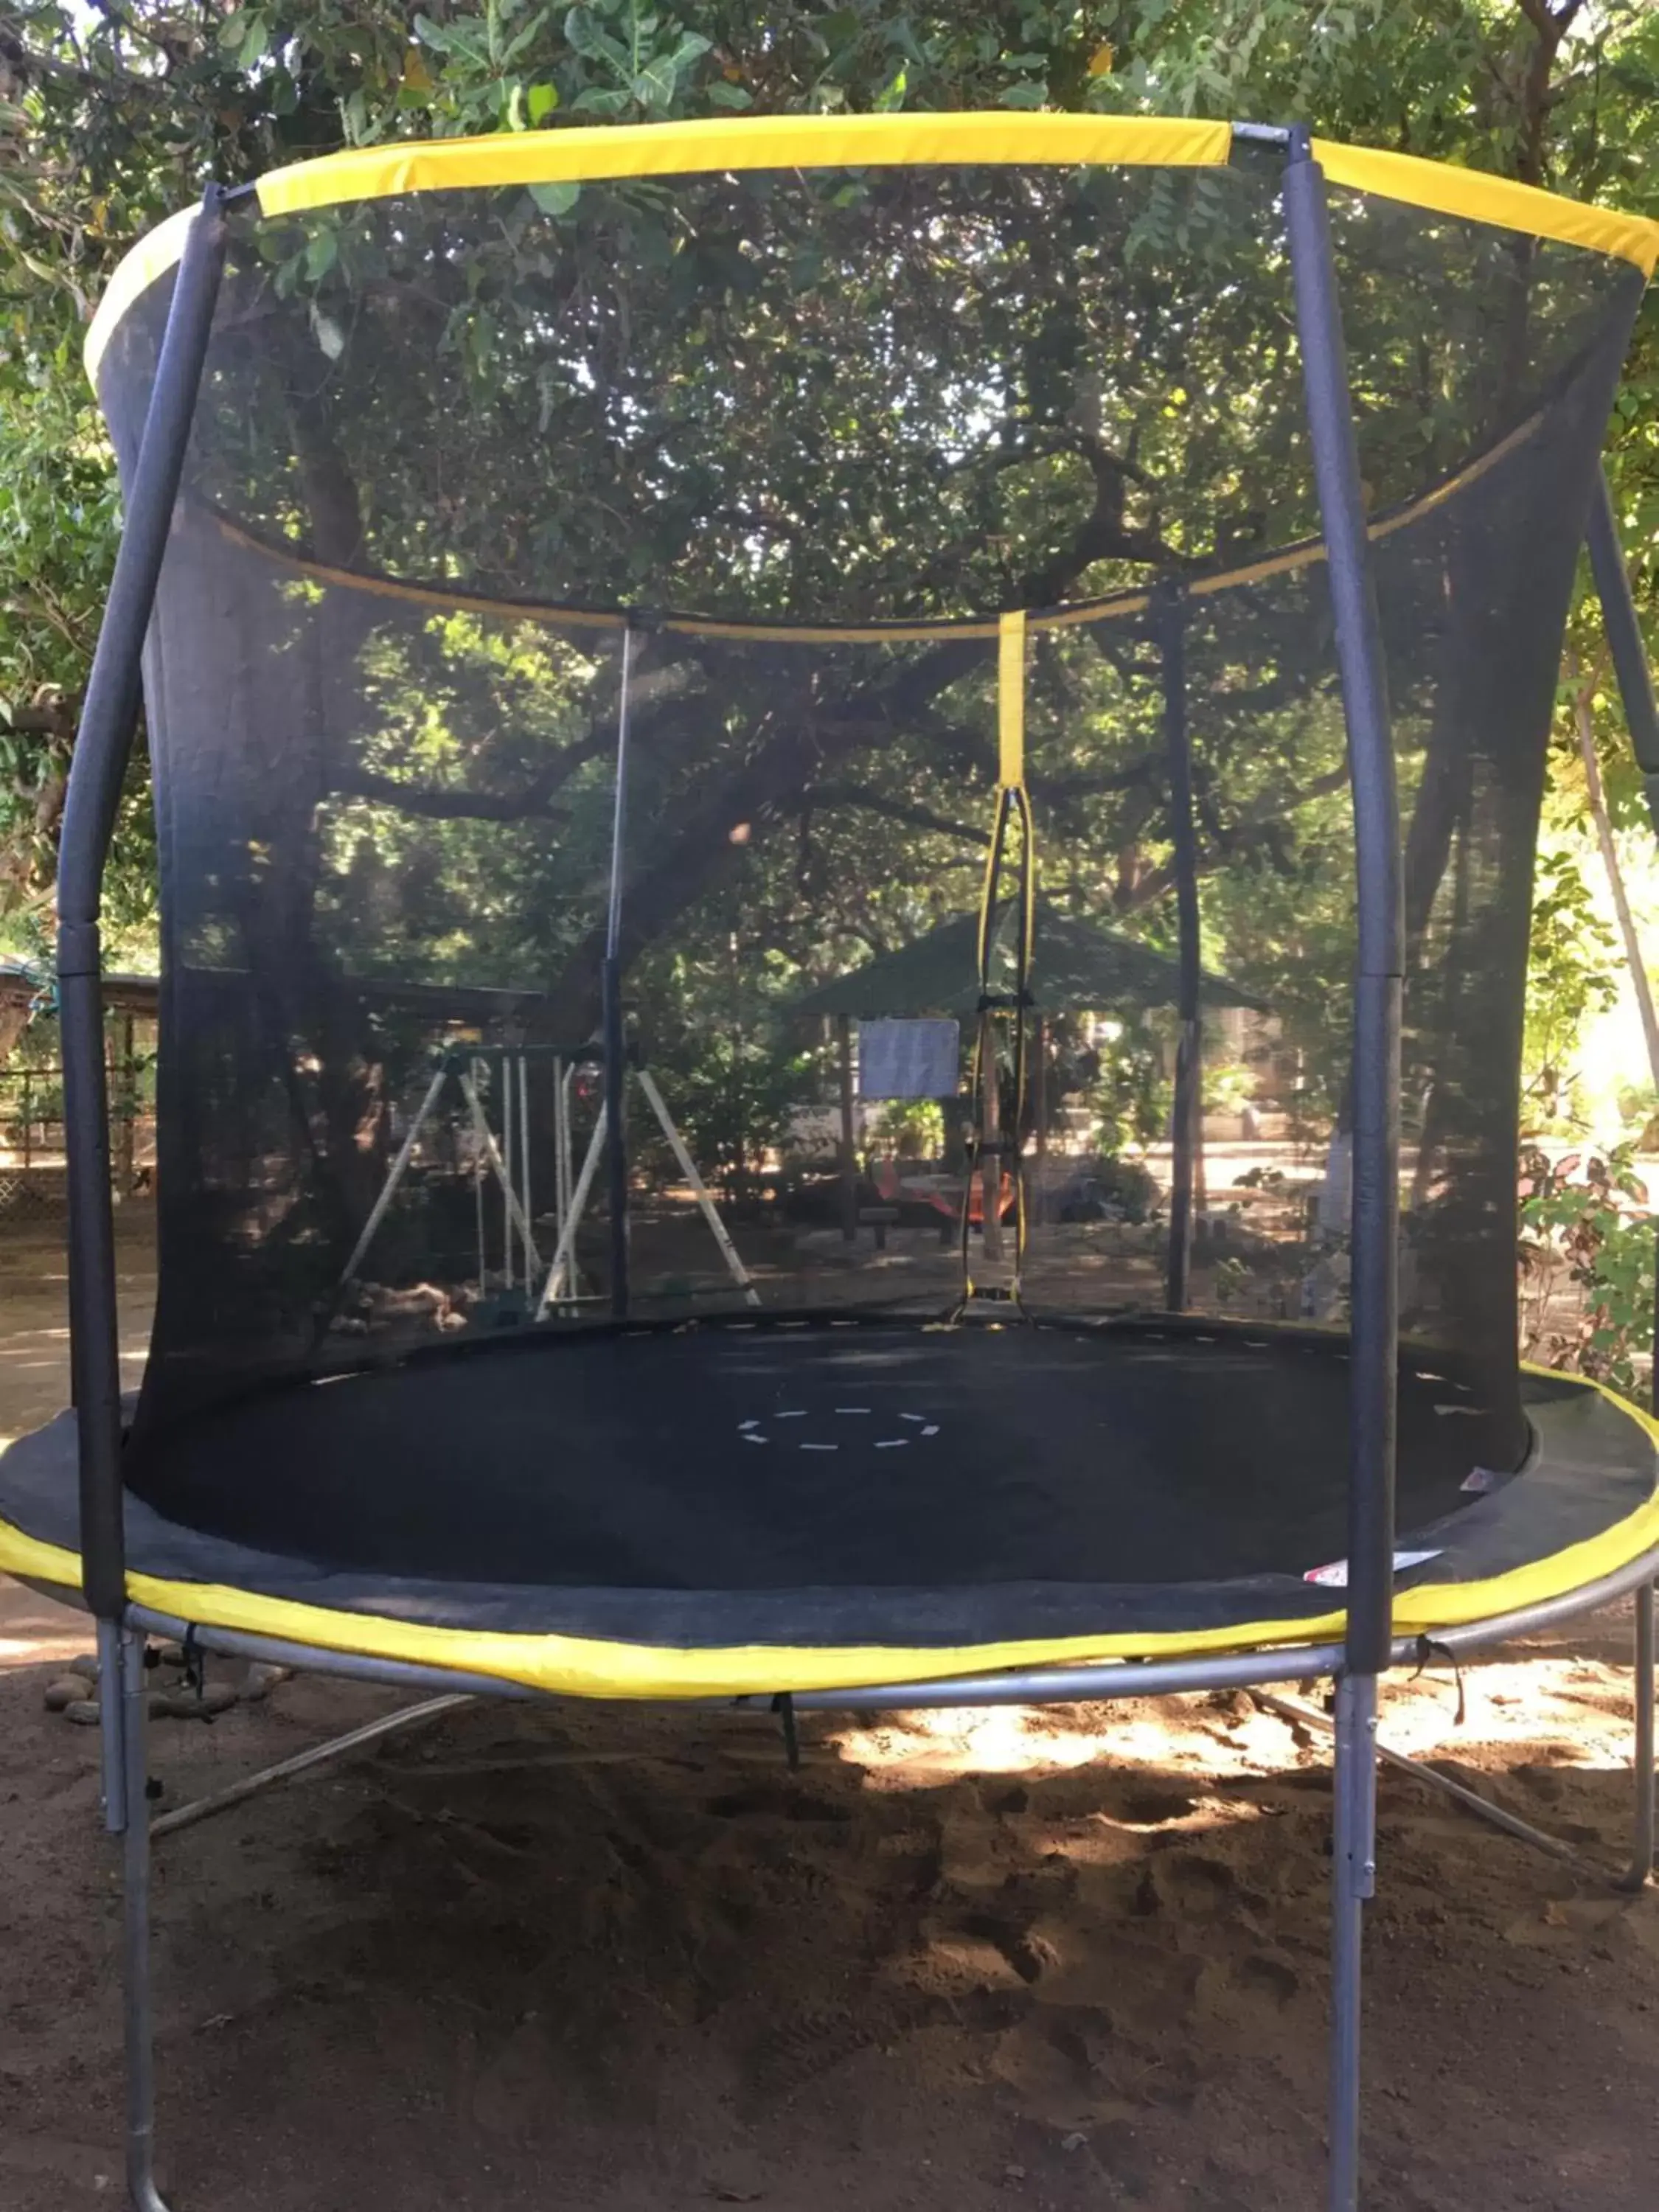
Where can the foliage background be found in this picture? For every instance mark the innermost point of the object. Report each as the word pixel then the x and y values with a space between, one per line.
pixel 112 114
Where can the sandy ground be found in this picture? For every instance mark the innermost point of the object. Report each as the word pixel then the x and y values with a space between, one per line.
pixel 565 1958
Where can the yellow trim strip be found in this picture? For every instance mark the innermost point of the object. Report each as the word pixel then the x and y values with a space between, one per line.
pixel 1011 699
pixel 1307 555
pixel 758 142
pixel 576 1666
pixel 642 149
pixel 1475 196
pixel 140 266
pixel 434 596
pixel 552 616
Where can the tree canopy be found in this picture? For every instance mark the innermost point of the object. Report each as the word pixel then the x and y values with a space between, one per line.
pixel 112 117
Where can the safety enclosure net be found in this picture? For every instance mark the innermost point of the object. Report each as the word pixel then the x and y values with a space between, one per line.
pixel 623 568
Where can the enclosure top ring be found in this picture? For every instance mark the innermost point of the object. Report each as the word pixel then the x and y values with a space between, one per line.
pixel 565 155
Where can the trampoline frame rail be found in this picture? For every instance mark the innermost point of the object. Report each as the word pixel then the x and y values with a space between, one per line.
pixel 107 725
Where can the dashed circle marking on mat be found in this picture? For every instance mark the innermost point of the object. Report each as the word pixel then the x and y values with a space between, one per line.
pixel 756 1431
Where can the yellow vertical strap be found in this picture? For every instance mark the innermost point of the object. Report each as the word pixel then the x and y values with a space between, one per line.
pixel 1011 698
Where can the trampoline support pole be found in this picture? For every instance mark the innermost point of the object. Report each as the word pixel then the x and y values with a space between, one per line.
pixel 1375 1329
pixel 108 719
pixel 1624 635
pixel 111 1743
pixel 1353 1880
pixel 302 1762
pixel 613 1023
pixel 138 1995
pixel 1379 967
pixel 1301 1715
pixel 1640 1871
pixel 1187 1123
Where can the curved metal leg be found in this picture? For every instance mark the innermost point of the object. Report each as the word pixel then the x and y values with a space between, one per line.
pixel 1353 1879
pixel 1640 1869
pixel 136 2002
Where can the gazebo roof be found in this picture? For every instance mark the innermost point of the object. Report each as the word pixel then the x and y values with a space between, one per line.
pixel 1076 967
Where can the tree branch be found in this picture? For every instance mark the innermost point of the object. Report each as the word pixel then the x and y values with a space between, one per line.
pixel 1256 826
pixel 57 720
pixel 534 800
pixel 894 809
pixel 1103 534
pixel 28 61
pixel 442 806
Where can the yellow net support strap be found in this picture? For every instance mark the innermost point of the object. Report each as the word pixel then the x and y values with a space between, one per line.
pixel 995 1146
pixel 1010 701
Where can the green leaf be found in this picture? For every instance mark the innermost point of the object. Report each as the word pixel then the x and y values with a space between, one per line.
pixel 891 95
pixel 691 48
pixel 521 40
pixel 555 199
pixel 321 254
pixel 539 102
pixel 589 38
pixel 722 95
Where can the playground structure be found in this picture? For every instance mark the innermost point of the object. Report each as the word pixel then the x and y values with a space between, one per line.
pixel 480 1072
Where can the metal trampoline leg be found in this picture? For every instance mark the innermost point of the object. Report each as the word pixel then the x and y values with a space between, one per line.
pixel 1637 1875
pixel 136 2004
pixel 112 1734
pixel 1353 1879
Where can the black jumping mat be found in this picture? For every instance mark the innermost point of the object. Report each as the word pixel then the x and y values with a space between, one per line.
pixel 765 1458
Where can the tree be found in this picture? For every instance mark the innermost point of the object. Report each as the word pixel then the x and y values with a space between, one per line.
pixel 109 118
pixel 116 117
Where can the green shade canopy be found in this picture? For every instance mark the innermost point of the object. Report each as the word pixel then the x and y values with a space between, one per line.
pixel 1076 967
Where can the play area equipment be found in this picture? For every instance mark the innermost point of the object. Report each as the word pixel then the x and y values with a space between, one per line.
pixel 475 1073
pixel 505 1070
pixel 562 553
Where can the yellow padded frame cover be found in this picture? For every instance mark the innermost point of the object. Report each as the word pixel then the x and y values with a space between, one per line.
pixel 783 142
pixel 585 1667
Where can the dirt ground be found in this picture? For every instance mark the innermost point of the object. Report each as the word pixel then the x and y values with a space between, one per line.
pixel 602 1959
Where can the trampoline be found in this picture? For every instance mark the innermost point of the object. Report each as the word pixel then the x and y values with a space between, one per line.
pixel 575 571
pixel 825 1502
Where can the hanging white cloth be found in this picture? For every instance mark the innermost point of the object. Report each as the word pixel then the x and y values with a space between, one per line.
pixel 910 1059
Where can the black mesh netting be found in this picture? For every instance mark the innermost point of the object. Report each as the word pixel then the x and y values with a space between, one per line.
pixel 445 442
